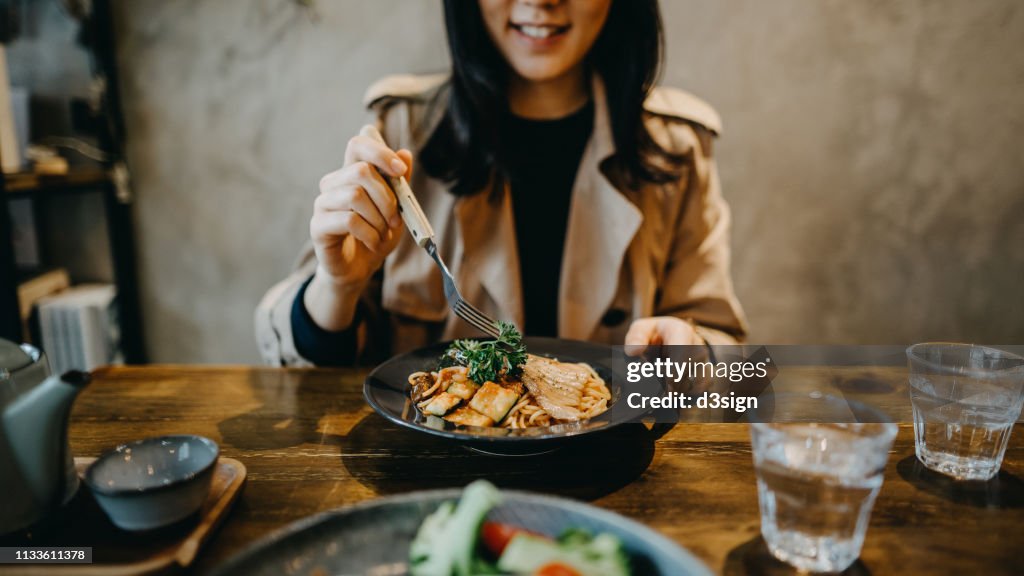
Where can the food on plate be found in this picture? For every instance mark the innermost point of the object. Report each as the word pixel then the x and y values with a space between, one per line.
pixel 497 383
pixel 457 540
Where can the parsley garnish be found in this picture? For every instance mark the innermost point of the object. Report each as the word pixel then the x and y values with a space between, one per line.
pixel 489 360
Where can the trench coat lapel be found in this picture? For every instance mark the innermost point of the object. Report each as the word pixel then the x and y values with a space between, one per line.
pixel 602 223
pixel 490 257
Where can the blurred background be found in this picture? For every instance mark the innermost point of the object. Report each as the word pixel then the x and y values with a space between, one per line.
pixel 872 155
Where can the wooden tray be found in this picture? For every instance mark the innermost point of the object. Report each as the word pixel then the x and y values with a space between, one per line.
pixel 117 552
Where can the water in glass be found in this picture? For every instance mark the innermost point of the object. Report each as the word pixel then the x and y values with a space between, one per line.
pixel 965 399
pixel 816 485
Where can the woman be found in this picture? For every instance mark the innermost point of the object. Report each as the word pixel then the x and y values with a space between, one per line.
pixel 567 196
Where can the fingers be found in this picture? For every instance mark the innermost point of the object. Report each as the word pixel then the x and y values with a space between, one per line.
pixel 678 332
pixel 353 199
pixel 391 240
pixel 406 157
pixel 642 333
pixel 379 191
pixel 356 200
pixel 335 224
pixel 348 187
pixel 657 331
pixel 364 148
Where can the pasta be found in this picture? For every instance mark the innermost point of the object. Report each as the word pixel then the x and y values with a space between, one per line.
pixel 449 393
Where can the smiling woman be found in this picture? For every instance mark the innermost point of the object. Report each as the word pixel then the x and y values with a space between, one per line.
pixel 567 193
pixel 500 69
pixel 544 46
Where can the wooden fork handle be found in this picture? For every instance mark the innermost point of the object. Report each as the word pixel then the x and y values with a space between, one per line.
pixel 412 214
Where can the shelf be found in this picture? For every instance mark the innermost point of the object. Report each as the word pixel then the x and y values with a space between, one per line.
pixel 77 178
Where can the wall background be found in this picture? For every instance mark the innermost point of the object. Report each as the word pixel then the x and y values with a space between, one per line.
pixel 872 155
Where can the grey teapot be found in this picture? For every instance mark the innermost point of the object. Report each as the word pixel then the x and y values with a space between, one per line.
pixel 37 471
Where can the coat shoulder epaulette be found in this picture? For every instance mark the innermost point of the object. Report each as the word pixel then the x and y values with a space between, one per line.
pixel 403 87
pixel 682 105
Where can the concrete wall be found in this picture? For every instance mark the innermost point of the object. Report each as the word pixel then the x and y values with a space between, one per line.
pixel 872 154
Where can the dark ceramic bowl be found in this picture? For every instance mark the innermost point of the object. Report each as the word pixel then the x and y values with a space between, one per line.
pixel 374 537
pixel 387 390
pixel 154 482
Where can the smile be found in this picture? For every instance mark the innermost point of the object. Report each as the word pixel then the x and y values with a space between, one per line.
pixel 539 32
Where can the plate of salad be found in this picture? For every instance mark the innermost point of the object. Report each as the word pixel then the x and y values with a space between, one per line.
pixel 477 531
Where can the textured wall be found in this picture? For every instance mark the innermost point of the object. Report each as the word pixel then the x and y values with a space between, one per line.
pixel 873 158
pixel 872 154
pixel 234 109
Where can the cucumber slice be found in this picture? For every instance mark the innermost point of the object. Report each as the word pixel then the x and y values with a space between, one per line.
pixel 446 547
pixel 525 553
pixel 601 555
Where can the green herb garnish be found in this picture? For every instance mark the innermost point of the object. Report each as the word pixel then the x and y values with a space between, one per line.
pixel 489 360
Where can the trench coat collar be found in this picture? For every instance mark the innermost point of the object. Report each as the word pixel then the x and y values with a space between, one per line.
pixel 601 226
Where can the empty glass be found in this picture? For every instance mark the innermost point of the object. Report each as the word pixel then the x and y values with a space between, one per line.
pixel 966 399
pixel 817 478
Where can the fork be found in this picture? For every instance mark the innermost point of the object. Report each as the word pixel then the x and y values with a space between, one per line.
pixel 423 233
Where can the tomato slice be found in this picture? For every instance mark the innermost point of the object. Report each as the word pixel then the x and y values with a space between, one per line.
pixel 556 569
pixel 496 535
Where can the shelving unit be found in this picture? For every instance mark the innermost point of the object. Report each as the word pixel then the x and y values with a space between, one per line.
pixel 24 183
pixel 93 180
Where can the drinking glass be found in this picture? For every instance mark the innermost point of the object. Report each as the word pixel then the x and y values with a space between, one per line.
pixel 966 399
pixel 817 478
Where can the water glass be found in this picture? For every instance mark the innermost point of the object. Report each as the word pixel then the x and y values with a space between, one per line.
pixel 817 479
pixel 966 399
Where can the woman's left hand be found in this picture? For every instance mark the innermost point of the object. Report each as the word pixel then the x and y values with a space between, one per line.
pixel 660 331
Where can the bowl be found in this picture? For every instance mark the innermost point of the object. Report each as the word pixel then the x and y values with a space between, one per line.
pixel 386 389
pixel 374 537
pixel 154 482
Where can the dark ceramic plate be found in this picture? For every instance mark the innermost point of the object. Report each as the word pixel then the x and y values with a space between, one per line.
pixel 387 390
pixel 374 537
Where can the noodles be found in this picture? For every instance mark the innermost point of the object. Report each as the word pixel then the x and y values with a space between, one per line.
pixel 437 390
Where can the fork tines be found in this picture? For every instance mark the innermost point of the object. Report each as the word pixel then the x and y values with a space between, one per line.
pixel 456 302
pixel 475 318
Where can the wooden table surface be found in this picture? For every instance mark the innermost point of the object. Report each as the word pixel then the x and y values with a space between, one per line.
pixel 311 443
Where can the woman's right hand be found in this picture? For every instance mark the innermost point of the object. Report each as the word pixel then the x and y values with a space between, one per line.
pixel 355 222
pixel 355 225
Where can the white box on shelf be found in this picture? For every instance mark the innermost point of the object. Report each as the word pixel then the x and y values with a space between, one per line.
pixel 78 327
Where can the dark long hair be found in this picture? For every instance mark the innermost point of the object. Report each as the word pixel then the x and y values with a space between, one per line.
pixel 465 148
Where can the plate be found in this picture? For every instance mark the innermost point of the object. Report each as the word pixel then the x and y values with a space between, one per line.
pixel 387 390
pixel 374 537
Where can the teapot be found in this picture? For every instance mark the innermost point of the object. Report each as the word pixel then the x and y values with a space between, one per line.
pixel 37 471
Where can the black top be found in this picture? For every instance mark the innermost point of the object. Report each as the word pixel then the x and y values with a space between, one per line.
pixel 543 158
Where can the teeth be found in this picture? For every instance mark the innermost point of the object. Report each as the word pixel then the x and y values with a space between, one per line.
pixel 537 31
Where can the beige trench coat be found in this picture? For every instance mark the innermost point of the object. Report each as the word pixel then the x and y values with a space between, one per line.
pixel 660 250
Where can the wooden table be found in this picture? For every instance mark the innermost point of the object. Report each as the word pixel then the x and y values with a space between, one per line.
pixel 311 443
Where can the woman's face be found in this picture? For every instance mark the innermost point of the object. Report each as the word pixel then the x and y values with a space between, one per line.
pixel 544 39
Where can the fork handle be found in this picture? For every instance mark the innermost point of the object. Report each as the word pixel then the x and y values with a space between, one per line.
pixel 409 208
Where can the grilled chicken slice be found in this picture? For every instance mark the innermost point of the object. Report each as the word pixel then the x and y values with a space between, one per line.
pixel 557 387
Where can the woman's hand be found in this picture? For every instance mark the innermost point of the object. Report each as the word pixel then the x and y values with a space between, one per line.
pixel 355 222
pixel 660 331
pixel 355 225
